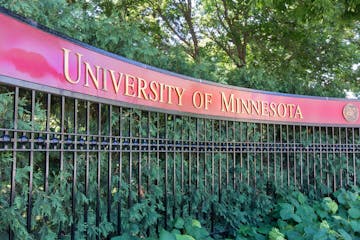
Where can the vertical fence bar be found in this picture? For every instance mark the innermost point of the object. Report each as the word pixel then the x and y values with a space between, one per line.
pixel 46 179
pixel 205 152
pixel 340 158
pixel 182 141
pixel 226 152
pixel 319 150
pixel 281 157
pixel 158 156
pixel 31 163
pixel 288 143
pixel 247 154
pixel 148 176
pixel 13 167
pixel 307 159
pixel 212 173
pixel 109 177
pixel 354 155
pixel 73 189
pixel 86 205
pixel 197 153
pixel 218 143
pixel 274 149
pixel 294 155
pixel 301 158
pixel 334 158
pixel 254 156
pixel 327 158
pixel 261 151
pixel 347 156
pixel 189 164
pixel 241 152
pixel 314 157
pixel 62 140
pixel 268 151
pixel 62 148
pixel 234 155
pixel 130 134
pixel 120 163
pixel 166 172
pixel 139 160
pixel 174 166
pixel 98 173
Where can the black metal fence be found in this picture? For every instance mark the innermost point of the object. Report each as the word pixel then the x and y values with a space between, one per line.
pixel 110 158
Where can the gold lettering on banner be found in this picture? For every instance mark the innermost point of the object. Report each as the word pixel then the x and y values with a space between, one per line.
pixel 197 100
pixel 66 66
pixel 116 83
pixel 129 85
pixel 142 86
pixel 161 92
pixel 89 72
pixel 179 91
pixel 96 76
pixel 265 109
pixel 201 100
pixel 298 113
pixel 259 108
pixel 227 106
pixel 208 100
pixel 272 109
pixel 104 78
pixel 245 105
pixel 154 95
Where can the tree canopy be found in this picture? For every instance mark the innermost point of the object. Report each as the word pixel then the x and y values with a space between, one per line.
pixel 302 47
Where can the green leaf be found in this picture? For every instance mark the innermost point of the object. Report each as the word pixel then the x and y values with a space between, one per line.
pixel 293 235
pixel 310 230
pixel 179 224
pixel 301 198
pixel 296 218
pixel 176 231
pixel 196 223
pixel 342 198
pixel 275 234
pixel 306 213
pixel 321 234
pixel 355 225
pixel 125 236
pixel 354 212
pixel 344 234
pixel 286 211
pixel 197 233
pixel 322 214
pixel 184 237
pixel 324 224
pixel 330 205
pixel 165 235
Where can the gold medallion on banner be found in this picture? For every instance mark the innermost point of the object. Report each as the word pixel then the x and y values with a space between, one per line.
pixel 351 112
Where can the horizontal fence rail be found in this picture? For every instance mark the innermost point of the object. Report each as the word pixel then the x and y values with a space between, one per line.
pixel 143 145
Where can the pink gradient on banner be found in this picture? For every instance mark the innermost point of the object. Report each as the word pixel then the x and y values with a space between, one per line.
pixel 32 55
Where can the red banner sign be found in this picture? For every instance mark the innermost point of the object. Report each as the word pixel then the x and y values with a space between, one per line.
pixel 30 54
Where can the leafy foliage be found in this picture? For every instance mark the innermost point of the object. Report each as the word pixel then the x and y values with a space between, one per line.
pixel 294 216
pixel 307 47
